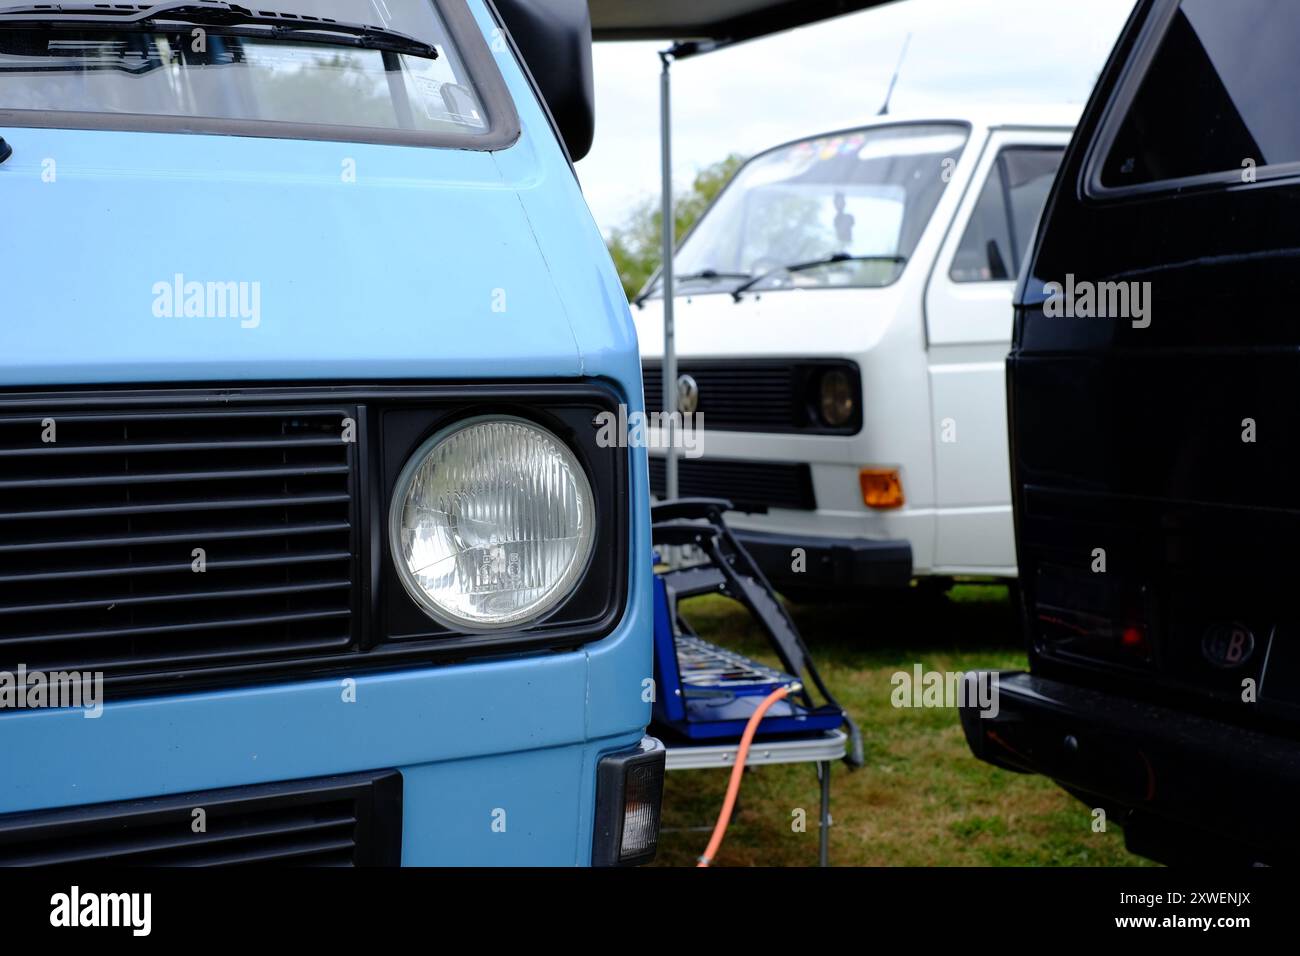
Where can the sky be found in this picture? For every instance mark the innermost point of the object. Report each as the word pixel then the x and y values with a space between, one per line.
pixel 832 75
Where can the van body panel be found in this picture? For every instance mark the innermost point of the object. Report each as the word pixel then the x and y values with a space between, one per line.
pixel 968 326
pixel 402 215
pixel 1154 449
pixel 764 322
pixel 467 739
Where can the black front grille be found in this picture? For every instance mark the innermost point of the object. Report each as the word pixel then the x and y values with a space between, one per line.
pixel 752 486
pixel 759 395
pixel 285 489
pixel 353 820
pixel 106 517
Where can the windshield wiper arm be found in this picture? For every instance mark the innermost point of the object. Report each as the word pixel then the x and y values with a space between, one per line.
pixel 713 274
pixel 834 257
pixel 690 277
pixel 216 13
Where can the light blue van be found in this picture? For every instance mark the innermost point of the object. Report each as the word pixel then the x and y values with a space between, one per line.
pixel 309 551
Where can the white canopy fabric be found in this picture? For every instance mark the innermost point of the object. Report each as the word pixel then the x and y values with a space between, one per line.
pixel 714 22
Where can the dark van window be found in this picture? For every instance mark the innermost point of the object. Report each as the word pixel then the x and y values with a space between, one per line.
pixel 1003 220
pixel 1219 95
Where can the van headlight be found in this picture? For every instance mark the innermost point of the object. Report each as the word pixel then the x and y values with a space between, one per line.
pixel 836 398
pixel 491 523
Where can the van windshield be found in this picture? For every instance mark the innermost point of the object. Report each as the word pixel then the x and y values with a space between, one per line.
pixel 845 210
pixel 202 62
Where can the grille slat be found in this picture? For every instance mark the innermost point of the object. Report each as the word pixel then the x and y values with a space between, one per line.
pixel 89 851
pixel 165 447
pixel 352 820
pixel 168 477
pixel 128 600
pixel 303 558
pixel 284 501
pixel 152 541
pixel 334 852
pixel 174 660
pixel 140 415
pixel 198 536
pixel 155 629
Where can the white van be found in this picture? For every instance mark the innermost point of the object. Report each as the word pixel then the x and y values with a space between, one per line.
pixel 843 310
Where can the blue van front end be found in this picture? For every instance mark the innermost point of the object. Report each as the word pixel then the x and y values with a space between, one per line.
pixel 189 314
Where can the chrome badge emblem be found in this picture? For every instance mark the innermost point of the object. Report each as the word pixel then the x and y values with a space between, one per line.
pixel 1228 645
pixel 688 394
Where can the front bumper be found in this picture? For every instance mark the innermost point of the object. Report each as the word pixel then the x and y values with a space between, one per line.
pixel 829 564
pixel 513 742
pixel 1185 788
pixel 358 819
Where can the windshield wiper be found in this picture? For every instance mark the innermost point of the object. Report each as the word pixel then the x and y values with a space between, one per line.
pixel 712 274
pixel 692 277
pixel 234 19
pixel 811 264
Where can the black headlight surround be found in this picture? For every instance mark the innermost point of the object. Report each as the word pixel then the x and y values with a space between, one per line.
pixel 597 600
pixel 760 395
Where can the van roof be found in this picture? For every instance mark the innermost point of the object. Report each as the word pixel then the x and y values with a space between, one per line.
pixel 1018 116
pixel 1001 116
pixel 1063 116
pixel 1010 114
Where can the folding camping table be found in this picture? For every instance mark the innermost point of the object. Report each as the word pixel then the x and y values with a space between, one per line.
pixel 709 693
pixel 822 750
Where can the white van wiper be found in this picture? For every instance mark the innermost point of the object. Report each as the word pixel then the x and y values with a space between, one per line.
pixel 712 274
pixel 691 277
pixel 232 18
pixel 833 258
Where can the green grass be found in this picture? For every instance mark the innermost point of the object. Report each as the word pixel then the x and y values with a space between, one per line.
pixel 921 799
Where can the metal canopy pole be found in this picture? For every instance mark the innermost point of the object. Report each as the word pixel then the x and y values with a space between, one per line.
pixel 666 271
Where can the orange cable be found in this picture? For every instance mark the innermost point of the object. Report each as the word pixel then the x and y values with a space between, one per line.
pixel 733 785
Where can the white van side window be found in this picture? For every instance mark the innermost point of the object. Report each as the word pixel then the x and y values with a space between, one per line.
pixel 1001 225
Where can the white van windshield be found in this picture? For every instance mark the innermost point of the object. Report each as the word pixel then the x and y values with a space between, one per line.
pixel 842 210
pixel 337 63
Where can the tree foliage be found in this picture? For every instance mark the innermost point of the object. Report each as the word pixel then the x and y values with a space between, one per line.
pixel 635 245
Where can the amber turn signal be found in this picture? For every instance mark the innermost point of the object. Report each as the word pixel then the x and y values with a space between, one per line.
pixel 881 487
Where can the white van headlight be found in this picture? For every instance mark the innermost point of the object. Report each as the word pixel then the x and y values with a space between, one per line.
pixel 836 398
pixel 491 523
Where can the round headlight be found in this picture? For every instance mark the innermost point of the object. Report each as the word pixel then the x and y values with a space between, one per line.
pixel 491 524
pixel 836 398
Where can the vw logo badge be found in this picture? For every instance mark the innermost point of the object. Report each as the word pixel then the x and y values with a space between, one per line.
pixel 688 394
pixel 1228 645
